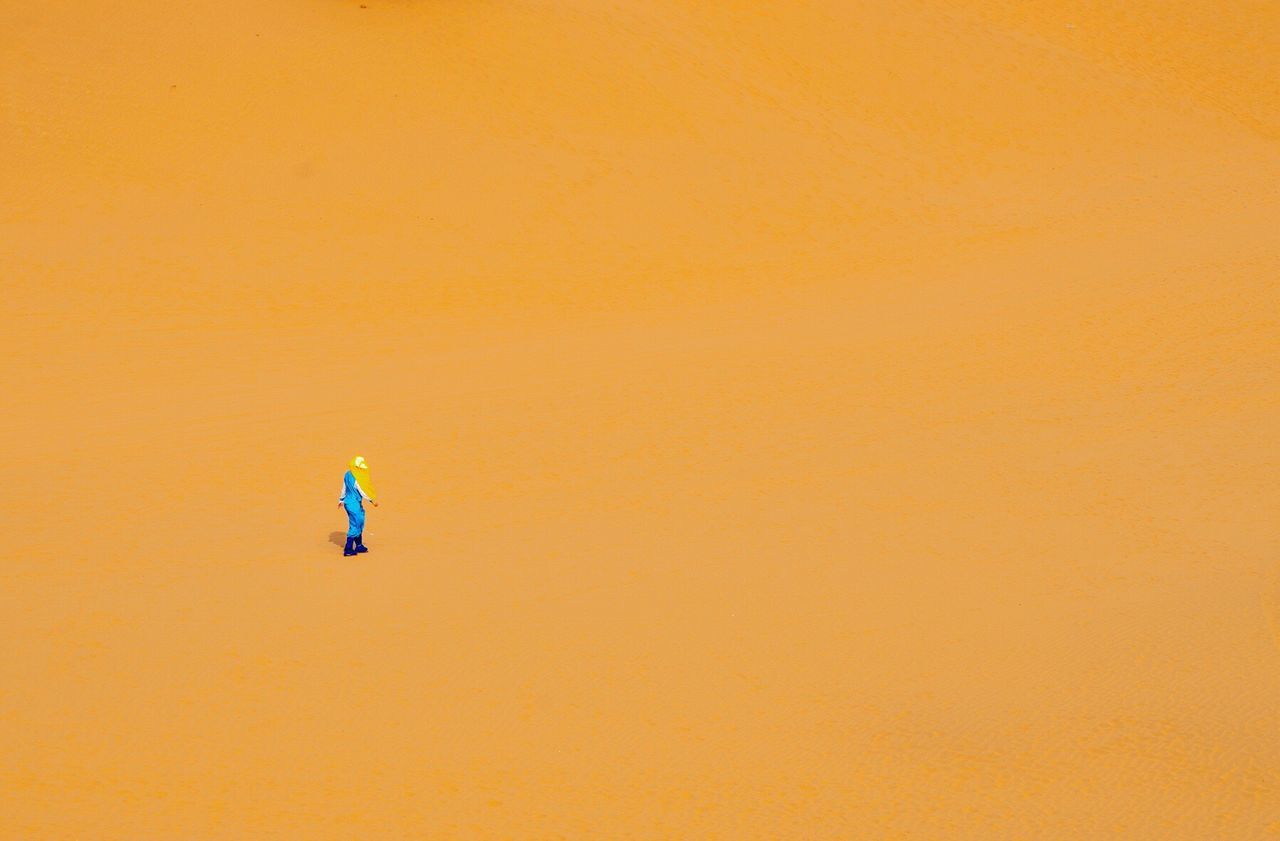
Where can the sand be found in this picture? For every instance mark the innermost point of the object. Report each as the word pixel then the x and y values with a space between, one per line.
pixel 795 420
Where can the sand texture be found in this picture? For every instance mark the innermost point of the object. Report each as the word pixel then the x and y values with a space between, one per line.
pixel 802 420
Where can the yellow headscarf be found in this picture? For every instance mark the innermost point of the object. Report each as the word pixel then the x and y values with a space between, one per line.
pixel 360 470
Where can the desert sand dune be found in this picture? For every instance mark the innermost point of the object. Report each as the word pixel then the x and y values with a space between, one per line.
pixel 805 421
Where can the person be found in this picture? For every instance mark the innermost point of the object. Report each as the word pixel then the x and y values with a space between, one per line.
pixel 356 488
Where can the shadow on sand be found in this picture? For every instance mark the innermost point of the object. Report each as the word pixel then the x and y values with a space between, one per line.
pixel 338 538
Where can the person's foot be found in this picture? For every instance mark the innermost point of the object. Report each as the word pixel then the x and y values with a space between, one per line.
pixel 360 547
pixel 350 548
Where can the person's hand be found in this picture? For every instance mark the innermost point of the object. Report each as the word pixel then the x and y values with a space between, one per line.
pixel 375 505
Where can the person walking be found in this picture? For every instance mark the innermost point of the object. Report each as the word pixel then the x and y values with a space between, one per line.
pixel 356 488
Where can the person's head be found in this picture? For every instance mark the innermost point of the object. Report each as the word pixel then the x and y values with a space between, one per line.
pixel 359 463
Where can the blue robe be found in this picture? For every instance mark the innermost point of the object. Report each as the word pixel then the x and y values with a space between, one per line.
pixel 353 497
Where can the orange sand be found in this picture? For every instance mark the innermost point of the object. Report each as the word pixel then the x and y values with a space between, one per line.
pixel 794 420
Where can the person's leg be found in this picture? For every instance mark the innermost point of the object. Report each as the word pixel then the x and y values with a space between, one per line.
pixel 355 525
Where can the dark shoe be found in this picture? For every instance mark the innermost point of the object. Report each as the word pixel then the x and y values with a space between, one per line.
pixel 349 549
pixel 360 547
